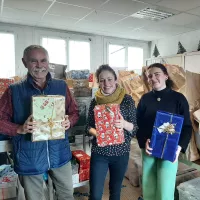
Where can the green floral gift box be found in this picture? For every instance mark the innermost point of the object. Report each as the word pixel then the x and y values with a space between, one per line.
pixel 48 112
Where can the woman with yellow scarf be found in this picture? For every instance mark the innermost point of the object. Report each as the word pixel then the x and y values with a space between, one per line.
pixel 113 157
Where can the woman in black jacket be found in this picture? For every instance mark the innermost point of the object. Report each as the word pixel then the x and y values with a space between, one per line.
pixel 159 176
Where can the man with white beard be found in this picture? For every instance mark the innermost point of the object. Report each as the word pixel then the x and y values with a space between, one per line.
pixel 33 159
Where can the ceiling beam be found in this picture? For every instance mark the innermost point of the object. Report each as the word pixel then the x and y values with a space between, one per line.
pixel 48 8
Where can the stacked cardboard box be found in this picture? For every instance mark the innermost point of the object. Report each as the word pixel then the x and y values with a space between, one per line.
pixel 132 83
pixel 78 82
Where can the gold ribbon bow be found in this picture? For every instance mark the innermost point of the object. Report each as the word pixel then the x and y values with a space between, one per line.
pixel 51 124
pixel 167 128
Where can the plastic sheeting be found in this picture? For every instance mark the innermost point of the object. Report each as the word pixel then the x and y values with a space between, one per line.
pixel 189 190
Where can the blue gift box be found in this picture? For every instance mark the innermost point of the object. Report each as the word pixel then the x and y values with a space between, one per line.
pixel 165 135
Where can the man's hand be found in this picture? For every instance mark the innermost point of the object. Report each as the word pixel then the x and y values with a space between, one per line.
pixel 177 153
pixel 66 123
pixel 28 127
pixel 147 147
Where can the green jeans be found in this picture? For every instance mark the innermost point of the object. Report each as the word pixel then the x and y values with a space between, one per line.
pixel 159 178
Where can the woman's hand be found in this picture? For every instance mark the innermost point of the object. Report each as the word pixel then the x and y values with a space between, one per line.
pixel 177 153
pixel 123 124
pixel 147 147
pixel 93 132
pixel 120 123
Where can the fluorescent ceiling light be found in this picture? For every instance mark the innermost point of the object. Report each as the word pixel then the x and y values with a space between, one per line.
pixel 152 14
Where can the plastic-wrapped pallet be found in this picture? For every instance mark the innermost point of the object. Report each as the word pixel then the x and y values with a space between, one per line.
pixel 189 190
pixel 78 74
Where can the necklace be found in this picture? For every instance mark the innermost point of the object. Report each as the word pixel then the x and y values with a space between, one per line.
pixel 158 99
pixel 159 95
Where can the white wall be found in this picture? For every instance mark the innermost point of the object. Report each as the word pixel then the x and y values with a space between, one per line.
pixel 26 35
pixel 169 46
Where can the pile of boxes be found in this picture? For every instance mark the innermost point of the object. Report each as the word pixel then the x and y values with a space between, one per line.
pixel 78 82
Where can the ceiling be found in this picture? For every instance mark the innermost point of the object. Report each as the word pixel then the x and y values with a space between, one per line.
pixel 104 17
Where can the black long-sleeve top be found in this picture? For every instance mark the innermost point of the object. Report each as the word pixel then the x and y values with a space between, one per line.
pixel 128 111
pixel 170 101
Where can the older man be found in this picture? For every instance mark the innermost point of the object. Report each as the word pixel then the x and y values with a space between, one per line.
pixel 32 159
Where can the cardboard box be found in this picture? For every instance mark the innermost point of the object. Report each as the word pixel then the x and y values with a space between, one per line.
pixel 80 83
pixel 82 92
pixel 69 83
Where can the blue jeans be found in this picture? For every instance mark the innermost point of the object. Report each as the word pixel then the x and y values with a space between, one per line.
pixel 99 166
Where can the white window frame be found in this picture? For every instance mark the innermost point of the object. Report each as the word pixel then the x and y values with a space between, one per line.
pixel 80 40
pixel 126 43
pixel 66 36
pixel 59 38
pixel 15 47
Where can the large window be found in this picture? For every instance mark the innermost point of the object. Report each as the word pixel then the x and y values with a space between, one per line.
pixel 79 55
pixel 116 56
pixel 56 49
pixel 135 59
pixel 76 54
pixel 7 55
pixel 125 57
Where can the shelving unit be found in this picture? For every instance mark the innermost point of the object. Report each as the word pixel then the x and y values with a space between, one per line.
pixel 80 184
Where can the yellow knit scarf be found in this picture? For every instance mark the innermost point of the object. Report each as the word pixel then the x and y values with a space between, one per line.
pixel 116 97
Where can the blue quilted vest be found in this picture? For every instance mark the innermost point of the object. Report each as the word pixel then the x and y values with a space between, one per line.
pixel 32 158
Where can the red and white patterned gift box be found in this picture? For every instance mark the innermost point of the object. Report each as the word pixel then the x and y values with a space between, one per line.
pixel 84 175
pixel 91 77
pixel 82 158
pixel 105 116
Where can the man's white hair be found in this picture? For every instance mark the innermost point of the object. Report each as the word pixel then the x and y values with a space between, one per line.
pixel 32 47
